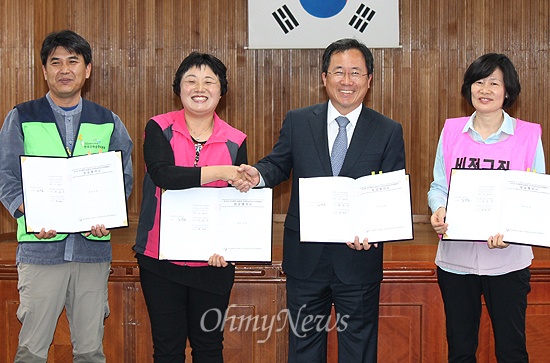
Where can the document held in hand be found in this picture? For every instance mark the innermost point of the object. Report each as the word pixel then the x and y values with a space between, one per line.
pixel 195 223
pixel 336 209
pixel 70 195
pixel 482 203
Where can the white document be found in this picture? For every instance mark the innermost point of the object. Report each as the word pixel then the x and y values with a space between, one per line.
pixel 336 209
pixel 482 203
pixel 195 223
pixel 70 195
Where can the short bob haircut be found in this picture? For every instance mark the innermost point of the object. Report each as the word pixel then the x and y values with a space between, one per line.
pixel 483 67
pixel 346 44
pixel 68 39
pixel 196 59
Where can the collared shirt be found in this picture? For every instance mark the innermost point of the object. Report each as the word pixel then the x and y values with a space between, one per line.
pixel 437 195
pixel 332 128
pixel 75 247
pixel 332 125
pixel 474 257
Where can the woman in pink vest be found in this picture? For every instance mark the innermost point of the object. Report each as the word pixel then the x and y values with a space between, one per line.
pixel 187 148
pixel 488 139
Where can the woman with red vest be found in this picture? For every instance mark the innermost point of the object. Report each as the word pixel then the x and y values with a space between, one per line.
pixel 488 139
pixel 183 149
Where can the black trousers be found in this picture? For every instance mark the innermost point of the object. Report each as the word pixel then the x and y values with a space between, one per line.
pixel 178 312
pixel 506 300
pixel 309 302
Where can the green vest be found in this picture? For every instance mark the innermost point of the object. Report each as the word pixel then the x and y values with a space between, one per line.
pixel 41 138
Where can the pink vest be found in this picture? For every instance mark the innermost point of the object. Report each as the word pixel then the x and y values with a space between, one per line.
pixel 460 151
pixel 214 152
pixel 515 153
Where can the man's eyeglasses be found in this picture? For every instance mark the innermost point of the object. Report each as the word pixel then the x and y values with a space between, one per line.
pixel 354 75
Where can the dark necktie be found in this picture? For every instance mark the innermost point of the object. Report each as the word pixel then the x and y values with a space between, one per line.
pixel 340 145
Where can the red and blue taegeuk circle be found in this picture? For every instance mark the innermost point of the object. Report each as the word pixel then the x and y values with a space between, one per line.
pixel 323 9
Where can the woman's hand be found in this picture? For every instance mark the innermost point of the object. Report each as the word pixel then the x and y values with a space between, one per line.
pixel 497 241
pixel 438 221
pixel 249 177
pixel 217 261
pixel 227 173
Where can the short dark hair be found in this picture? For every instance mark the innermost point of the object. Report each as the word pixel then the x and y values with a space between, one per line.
pixel 68 39
pixel 346 44
pixel 483 66
pixel 196 59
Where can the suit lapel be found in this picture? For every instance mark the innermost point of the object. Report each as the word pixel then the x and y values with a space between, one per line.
pixel 318 126
pixel 361 135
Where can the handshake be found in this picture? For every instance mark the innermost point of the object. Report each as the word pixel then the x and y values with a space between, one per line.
pixel 243 177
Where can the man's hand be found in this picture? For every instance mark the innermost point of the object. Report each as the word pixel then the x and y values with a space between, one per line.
pixel 249 178
pixel 98 230
pixel 359 246
pixel 45 235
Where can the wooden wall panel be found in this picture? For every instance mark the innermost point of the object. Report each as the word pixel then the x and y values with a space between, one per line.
pixel 138 44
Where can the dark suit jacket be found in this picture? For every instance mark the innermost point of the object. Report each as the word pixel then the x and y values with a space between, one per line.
pixel 377 145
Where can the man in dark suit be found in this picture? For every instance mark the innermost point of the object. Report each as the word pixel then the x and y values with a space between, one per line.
pixel 320 275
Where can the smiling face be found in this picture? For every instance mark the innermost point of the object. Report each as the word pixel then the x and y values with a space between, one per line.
pixel 200 91
pixel 65 74
pixel 488 93
pixel 346 91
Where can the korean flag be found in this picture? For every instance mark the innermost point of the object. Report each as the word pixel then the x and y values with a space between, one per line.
pixel 276 24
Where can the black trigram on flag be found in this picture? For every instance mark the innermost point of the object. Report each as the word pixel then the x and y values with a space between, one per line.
pixel 361 18
pixel 285 19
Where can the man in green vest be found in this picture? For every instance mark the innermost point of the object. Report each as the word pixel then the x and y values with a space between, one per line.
pixel 59 271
